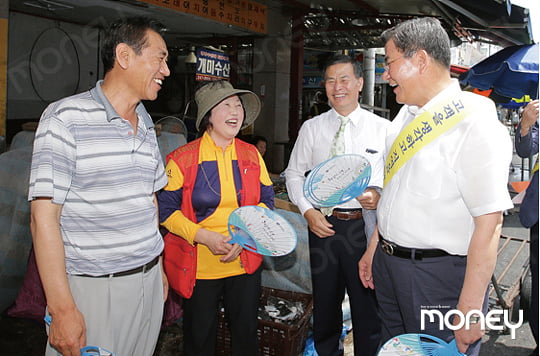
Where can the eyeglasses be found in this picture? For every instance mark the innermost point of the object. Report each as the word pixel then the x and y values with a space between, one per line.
pixel 387 63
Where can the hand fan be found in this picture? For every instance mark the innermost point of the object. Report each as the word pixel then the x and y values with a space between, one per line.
pixel 419 345
pixel 95 351
pixel 262 231
pixel 87 350
pixel 337 180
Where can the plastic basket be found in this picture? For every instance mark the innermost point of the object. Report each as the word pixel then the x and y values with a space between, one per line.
pixel 275 339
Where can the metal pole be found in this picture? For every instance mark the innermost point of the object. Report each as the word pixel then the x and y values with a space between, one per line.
pixel 368 92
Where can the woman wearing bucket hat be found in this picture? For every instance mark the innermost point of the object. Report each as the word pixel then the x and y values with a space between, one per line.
pixel 208 179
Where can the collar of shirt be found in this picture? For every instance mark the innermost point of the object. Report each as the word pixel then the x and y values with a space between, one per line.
pixel 353 131
pixel 452 89
pixel 211 150
pixel 354 116
pixel 97 94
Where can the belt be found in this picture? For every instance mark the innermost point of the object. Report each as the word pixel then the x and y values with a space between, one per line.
pixel 409 253
pixel 347 214
pixel 144 268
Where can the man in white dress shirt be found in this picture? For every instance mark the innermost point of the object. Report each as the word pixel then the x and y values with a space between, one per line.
pixel 440 214
pixel 337 241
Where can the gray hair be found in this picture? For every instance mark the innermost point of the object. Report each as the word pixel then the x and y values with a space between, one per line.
pixel 424 33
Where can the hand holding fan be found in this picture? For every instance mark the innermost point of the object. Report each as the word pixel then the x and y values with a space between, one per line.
pixel 87 350
pixel 337 180
pixel 262 231
pixel 419 345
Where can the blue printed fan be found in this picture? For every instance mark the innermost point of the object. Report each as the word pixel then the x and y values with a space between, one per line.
pixel 419 345
pixel 95 351
pixel 262 231
pixel 337 180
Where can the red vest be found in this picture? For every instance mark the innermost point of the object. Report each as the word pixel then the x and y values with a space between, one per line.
pixel 179 256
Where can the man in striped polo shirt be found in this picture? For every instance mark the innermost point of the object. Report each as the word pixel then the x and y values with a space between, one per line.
pixel 95 169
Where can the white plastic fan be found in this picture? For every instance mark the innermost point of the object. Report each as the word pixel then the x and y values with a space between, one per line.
pixel 262 231
pixel 337 180
pixel 419 345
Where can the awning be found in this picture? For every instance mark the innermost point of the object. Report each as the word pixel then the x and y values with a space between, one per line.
pixel 496 20
pixel 358 24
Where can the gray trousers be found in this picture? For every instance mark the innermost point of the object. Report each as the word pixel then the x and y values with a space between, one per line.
pixel 122 314
pixel 405 286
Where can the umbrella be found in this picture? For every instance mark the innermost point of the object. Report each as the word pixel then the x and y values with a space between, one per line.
pixel 504 101
pixel 511 72
pixel 515 104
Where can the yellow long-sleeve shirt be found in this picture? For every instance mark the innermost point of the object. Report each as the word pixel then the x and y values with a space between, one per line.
pixel 214 197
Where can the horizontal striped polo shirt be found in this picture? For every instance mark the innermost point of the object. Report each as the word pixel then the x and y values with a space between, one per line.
pixel 87 159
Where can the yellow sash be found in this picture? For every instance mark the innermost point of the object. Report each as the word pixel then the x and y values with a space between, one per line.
pixel 425 128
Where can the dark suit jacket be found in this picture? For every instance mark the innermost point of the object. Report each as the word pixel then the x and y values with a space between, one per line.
pixel 525 147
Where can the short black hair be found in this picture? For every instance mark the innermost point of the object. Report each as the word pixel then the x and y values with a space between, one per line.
pixel 255 139
pixel 342 58
pixel 205 122
pixel 131 31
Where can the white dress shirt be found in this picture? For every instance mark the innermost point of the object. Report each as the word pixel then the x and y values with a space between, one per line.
pixel 431 201
pixel 364 135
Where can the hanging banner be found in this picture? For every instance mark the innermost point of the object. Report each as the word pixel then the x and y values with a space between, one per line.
pixel 243 13
pixel 212 65
pixel 312 82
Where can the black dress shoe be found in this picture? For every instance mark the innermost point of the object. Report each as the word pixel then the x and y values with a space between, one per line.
pixel 535 352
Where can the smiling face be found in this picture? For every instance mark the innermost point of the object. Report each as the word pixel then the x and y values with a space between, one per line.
pixel 150 68
pixel 226 119
pixel 402 74
pixel 342 87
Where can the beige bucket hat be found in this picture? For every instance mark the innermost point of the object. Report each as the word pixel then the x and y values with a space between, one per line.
pixel 211 94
